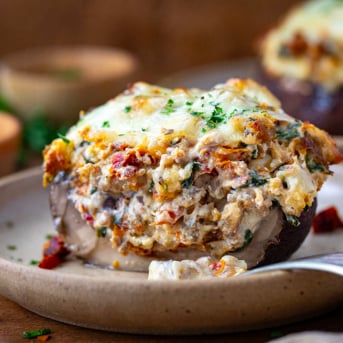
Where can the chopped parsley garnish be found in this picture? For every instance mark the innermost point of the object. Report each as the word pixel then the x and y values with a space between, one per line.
pixel 248 237
pixel 63 137
pixel 169 107
pixel 101 232
pixel 127 109
pixel 11 247
pixel 34 262
pixel 106 123
pixel 290 132
pixel 87 160
pixel 36 333
pixel 151 186
pixel 93 189
pixel 144 129
pixel 196 113
pixel 293 220
pixel 254 153
pixel 188 182
pixel 84 143
pixel 314 166
pixel 49 236
pixel 189 103
pixel 256 180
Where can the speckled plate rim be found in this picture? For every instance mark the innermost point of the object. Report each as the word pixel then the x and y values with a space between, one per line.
pixel 128 302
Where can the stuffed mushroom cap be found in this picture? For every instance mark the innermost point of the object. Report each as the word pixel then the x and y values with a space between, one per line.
pixel 159 173
pixel 302 63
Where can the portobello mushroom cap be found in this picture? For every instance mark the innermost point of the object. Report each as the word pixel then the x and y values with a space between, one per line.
pixel 275 240
pixel 301 63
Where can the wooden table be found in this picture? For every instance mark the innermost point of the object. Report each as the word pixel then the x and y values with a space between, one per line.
pixel 14 320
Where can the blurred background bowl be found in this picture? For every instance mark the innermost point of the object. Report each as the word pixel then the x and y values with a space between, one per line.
pixel 61 81
pixel 10 140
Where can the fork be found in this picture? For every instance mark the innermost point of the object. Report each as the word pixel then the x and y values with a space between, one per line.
pixel 331 263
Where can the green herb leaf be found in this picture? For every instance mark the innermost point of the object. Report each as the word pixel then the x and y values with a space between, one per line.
pixel 63 137
pixel 36 333
pixel 102 232
pixel 196 114
pixel 290 132
pixel 151 186
pixel 188 182
pixel 248 237
pixel 256 180
pixel 34 262
pixel 127 109
pixel 88 160
pixel 293 220
pixel 314 166
pixel 11 247
pixel 169 107
pixel 93 189
pixel 106 123
pixel 170 102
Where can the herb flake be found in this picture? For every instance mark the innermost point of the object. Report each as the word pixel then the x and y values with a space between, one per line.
pixel 313 166
pixel 169 107
pixel 36 333
pixel 63 137
pixel 102 232
pixel 293 220
pixel 127 109
pixel 188 182
pixel 288 133
pixel 256 180
pixel 248 237
pixel 106 123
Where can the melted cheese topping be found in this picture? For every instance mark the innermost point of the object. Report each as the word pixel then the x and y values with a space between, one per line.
pixel 307 44
pixel 157 169
pixel 146 113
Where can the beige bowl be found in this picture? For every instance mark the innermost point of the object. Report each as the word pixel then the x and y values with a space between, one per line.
pixel 10 136
pixel 62 81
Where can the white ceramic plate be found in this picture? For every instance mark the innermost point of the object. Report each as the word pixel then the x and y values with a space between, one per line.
pixel 128 302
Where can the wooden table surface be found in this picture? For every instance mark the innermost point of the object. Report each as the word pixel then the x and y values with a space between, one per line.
pixel 14 320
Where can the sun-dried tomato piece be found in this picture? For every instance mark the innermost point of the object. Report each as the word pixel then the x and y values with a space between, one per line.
pixel 54 253
pixel 327 221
